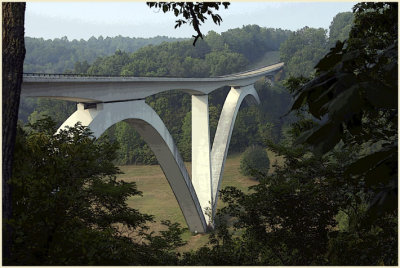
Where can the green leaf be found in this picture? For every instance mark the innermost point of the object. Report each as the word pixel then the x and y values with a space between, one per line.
pixel 379 95
pixel 340 110
pixel 331 59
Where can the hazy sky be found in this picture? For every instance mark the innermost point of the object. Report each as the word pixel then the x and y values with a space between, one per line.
pixel 78 20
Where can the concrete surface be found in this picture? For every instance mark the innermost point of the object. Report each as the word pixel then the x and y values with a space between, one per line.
pixel 224 132
pixel 201 162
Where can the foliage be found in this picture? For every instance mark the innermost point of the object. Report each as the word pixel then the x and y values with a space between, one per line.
pixel 110 65
pixel 185 141
pixel 71 210
pixel 254 160
pixel 291 216
pixel 60 54
pixel 302 50
pixel 283 220
pixel 225 62
pixel 217 54
pixel 58 109
pixel 305 47
pixel 251 40
pixel 340 27
pixel 366 246
pixel 355 93
pixel 193 13
pixel 132 148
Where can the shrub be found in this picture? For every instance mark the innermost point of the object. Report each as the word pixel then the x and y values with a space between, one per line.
pixel 254 161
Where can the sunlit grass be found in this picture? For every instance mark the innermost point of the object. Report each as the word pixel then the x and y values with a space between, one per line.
pixel 159 200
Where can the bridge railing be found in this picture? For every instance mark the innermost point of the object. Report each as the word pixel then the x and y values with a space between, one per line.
pixel 247 71
pixel 56 75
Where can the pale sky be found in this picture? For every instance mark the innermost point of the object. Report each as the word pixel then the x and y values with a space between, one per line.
pixel 78 20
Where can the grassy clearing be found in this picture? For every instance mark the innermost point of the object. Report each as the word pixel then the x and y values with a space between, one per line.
pixel 159 200
pixel 270 57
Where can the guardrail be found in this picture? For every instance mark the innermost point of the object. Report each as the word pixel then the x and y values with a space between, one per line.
pixel 68 75
pixel 55 75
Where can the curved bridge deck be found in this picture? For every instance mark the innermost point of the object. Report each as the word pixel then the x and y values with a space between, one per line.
pixel 110 88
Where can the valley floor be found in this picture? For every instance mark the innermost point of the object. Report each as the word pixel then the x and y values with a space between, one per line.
pixel 159 200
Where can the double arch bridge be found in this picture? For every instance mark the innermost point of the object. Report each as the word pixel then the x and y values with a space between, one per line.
pixel 104 101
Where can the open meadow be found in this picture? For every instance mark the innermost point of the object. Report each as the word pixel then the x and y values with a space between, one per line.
pixel 159 200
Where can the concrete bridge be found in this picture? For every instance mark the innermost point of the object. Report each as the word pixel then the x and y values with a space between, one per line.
pixel 104 101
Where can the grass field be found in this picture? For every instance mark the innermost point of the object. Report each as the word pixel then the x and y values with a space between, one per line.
pixel 270 57
pixel 159 200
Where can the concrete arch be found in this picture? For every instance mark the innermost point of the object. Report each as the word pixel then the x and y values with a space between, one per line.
pixel 150 126
pixel 223 133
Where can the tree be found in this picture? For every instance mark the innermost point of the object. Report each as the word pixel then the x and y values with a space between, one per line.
pixel 355 92
pixel 254 161
pixel 53 56
pixel 78 215
pixel 185 141
pixel 111 65
pixel 193 13
pixel 307 212
pixel 13 57
pixel 225 62
pixel 340 27
pixel 283 220
pixel 302 50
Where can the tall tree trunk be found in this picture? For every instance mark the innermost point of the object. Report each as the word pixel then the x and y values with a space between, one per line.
pixel 13 59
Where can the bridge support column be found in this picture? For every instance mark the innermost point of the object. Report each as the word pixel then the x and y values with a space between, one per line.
pixel 201 161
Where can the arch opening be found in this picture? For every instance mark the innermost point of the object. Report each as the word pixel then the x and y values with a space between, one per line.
pixel 151 128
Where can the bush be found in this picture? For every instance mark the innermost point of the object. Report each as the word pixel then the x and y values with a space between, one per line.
pixel 254 161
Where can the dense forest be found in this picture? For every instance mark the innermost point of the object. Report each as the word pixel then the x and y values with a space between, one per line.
pixel 332 115
pixel 60 54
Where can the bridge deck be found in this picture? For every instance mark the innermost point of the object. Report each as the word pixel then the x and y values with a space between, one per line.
pixel 119 88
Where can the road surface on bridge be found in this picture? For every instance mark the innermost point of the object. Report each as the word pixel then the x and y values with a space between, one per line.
pixel 96 89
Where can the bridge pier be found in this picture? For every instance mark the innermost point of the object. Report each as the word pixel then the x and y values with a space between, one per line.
pixel 201 157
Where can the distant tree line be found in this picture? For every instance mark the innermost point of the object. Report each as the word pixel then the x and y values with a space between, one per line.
pixel 60 54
